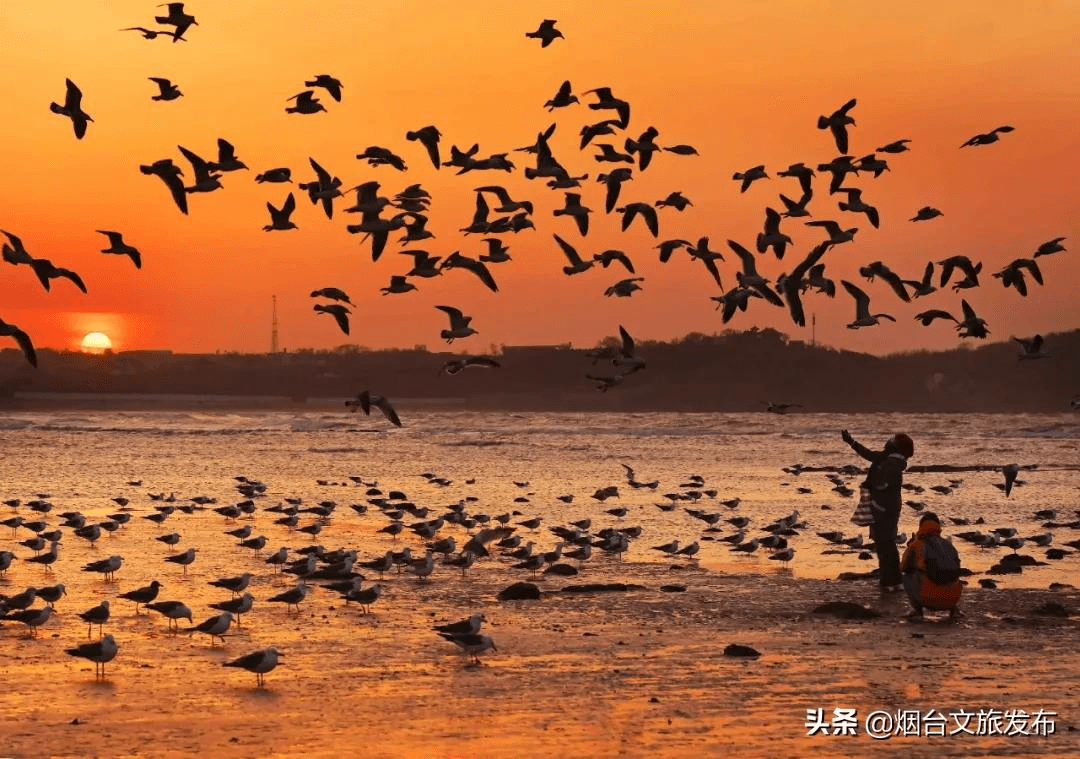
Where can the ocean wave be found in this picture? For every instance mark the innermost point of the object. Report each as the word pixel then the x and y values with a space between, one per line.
pixel 337 450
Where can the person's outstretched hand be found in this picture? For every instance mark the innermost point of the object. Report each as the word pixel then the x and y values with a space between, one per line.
pixel 846 436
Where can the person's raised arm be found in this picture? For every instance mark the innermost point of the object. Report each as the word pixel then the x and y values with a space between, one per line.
pixel 858 447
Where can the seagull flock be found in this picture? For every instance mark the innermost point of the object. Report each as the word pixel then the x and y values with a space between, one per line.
pixel 498 214
pixel 422 544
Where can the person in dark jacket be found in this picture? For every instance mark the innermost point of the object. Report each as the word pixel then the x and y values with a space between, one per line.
pixel 884 478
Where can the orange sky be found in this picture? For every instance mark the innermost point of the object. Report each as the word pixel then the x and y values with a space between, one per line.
pixel 742 82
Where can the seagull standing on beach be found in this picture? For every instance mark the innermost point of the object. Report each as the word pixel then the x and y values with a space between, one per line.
pixel 215 627
pixel 259 662
pixel 471 644
pixel 100 652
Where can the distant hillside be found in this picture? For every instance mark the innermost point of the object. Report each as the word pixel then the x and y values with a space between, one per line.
pixel 735 371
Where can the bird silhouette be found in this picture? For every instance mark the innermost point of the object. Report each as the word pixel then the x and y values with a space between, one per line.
pixel 279 217
pixel 119 247
pixel 365 400
pixel 992 136
pixel 546 33
pixel 459 324
pixel 170 174
pixel 306 103
pixel 72 108
pixel 21 339
pixel 177 18
pixel 428 137
pixel 837 122
pixel 863 317
pixel 338 311
pixel 563 98
pixel 166 89
pixel 328 83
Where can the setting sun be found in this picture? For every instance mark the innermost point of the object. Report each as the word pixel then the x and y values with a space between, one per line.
pixel 96 342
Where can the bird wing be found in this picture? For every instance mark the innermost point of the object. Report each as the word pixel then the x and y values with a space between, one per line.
pixel 746 256
pixel 862 300
pixel 457 318
pixel 569 250
pixel 969 312
pixel 73 97
pixel 627 342
pixel 388 411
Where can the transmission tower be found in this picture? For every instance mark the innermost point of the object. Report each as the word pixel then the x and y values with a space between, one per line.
pixel 273 328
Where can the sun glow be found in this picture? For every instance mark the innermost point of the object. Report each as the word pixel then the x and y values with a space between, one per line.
pixel 96 342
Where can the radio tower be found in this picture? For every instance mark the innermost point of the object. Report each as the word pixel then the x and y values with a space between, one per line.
pixel 273 328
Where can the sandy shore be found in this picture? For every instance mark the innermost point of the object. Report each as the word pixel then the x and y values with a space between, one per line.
pixel 634 673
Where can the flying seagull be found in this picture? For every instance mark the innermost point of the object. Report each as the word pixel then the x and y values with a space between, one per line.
pixel 338 311
pixel 459 324
pixel 546 33
pixel 863 317
pixel 22 339
pixel 328 83
pixel 429 138
pixel 170 174
pixel 167 90
pixel 119 247
pixel 365 400
pixel 985 139
pixel 72 108
pixel 182 21
pixel 837 123
pixel 279 217
pixel 457 365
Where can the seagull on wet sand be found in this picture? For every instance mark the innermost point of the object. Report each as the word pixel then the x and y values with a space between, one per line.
pixel 98 615
pixel 100 652
pixel 471 644
pixel 108 567
pixel 215 627
pixel 183 559
pixel 144 595
pixel 260 662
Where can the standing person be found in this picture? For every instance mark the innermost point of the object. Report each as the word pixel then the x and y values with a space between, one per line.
pixel 884 478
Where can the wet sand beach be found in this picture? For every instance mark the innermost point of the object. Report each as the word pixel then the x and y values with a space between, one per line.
pixel 640 672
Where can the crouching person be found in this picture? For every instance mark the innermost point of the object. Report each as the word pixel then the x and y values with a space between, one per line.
pixel 931 570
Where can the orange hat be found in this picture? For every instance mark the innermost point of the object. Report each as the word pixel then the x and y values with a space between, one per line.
pixel 904 444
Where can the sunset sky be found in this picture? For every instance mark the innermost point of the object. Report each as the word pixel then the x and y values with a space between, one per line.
pixel 742 82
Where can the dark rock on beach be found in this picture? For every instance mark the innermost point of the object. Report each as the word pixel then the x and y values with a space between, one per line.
pixel 846 610
pixel 600 587
pixel 1051 609
pixel 734 649
pixel 520 591
pixel 673 588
